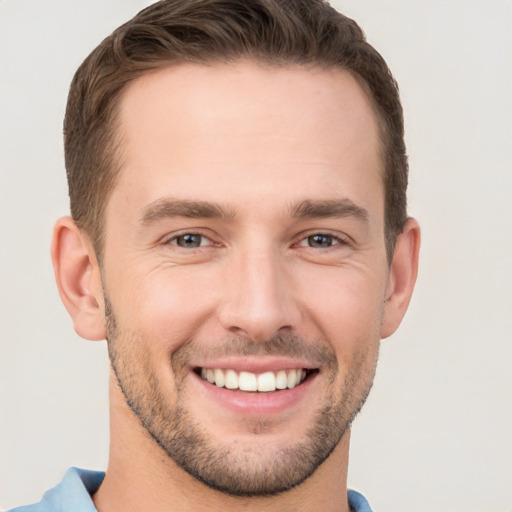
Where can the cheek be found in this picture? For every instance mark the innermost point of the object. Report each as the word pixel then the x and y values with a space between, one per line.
pixel 168 304
pixel 346 309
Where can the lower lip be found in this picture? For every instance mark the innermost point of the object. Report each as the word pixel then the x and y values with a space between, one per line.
pixel 256 404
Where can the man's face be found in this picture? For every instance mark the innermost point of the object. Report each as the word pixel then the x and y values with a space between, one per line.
pixel 245 248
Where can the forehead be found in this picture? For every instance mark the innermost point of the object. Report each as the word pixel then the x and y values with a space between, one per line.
pixel 220 131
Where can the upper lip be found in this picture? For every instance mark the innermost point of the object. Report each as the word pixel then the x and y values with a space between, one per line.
pixel 255 364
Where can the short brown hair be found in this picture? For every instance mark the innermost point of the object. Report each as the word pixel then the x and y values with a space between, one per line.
pixel 276 32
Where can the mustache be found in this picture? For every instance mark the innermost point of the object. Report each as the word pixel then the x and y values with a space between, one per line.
pixel 318 353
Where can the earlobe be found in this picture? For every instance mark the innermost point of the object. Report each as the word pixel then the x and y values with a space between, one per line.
pixel 402 277
pixel 78 279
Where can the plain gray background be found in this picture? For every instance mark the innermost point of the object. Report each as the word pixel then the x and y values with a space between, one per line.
pixel 436 433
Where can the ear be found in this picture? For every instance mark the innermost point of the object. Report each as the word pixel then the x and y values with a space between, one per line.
pixel 402 277
pixel 78 279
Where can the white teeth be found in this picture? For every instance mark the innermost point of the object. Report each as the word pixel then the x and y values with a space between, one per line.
pixel 248 381
pixel 219 378
pixel 292 379
pixel 281 380
pixel 267 381
pixel 231 379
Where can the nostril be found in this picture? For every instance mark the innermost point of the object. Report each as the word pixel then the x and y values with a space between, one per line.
pixel 237 330
pixel 259 332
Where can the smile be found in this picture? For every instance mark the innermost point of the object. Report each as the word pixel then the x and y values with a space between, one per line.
pixel 246 381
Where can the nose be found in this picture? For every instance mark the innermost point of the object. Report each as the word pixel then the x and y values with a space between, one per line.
pixel 259 301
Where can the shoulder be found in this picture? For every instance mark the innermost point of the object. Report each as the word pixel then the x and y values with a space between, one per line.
pixel 72 494
pixel 358 502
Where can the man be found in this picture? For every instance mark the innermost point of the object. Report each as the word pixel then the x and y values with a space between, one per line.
pixel 237 176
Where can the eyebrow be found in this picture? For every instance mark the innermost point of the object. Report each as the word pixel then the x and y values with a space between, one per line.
pixel 168 208
pixel 336 208
pixel 313 209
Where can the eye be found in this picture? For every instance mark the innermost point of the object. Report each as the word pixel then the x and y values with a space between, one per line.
pixel 190 241
pixel 321 241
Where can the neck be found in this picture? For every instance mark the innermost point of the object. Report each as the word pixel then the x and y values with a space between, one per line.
pixel 140 476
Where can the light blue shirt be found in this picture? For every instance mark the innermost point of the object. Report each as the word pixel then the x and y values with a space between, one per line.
pixel 73 494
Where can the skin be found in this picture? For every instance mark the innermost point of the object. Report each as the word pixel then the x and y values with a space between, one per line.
pixel 257 143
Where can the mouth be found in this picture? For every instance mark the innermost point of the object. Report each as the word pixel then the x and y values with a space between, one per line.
pixel 265 382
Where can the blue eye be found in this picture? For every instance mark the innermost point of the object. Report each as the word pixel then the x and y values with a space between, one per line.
pixel 189 241
pixel 321 241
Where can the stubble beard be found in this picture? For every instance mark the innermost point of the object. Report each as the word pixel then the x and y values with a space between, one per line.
pixel 248 472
